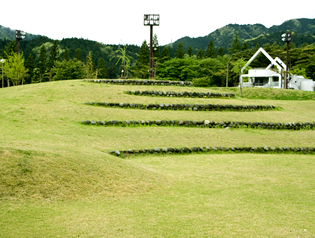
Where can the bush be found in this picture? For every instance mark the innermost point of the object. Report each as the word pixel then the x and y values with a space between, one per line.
pixel 202 82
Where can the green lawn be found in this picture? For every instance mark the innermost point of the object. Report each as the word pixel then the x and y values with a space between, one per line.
pixel 58 180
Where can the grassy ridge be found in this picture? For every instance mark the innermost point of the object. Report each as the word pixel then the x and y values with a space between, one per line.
pixel 57 178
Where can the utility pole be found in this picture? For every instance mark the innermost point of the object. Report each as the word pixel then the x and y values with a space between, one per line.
pixel 286 37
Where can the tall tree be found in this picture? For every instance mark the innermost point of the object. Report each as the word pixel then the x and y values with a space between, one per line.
pixel 89 66
pixel 221 51
pixel 30 66
pixel 210 52
pixel 9 49
pixel 124 59
pixel 190 51
pixel 200 54
pixel 165 54
pixel 42 62
pixel 66 54
pixel 14 68
pixel 180 53
pixel 143 60
pixel 235 45
pixel 53 56
pixel 101 69
pixel 77 54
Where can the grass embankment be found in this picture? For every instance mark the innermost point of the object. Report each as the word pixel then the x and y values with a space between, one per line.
pixel 57 178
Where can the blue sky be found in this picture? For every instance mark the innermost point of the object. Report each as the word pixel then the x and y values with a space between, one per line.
pixel 113 22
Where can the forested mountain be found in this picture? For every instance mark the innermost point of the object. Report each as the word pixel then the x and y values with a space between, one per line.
pixel 303 32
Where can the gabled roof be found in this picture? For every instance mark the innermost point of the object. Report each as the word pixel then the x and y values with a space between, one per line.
pixel 273 62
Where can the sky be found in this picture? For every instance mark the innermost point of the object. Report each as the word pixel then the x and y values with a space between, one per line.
pixel 121 21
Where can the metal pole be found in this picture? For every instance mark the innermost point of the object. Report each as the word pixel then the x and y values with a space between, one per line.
pixel 151 52
pixel 287 62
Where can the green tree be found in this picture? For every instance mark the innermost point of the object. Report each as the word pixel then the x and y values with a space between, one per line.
pixel 14 68
pixel 42 62
pixel 124 59
pixel 69 69
pixel 66 54
pixel 89 66
pixel 190 52
pixel 239 64
pixel 143 60
pixel 210 52
pixel 9 49
pixel 53 56
pixel 310 71
pixel 30 66
pixel 101 69
pixel 235 45
pixel 179 53
pixel 200 54
pixel 221 51
pixel 77 54
pixel 165 55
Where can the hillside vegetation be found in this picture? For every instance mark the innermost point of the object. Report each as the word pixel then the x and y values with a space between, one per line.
pixel 57 177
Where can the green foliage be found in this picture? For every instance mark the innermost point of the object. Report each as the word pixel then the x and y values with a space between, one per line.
pixel 179 69
pixel 310 71
pixel 66 54
pixel 200 54
pixel 210 53
pixel 42 64
pixel 165 55
pixel 143 60
pixel 202 82
pixel 89 66
pixel 125 61
pixel 101 69
pixel 69 69
pixel 179 53
pixel 14 68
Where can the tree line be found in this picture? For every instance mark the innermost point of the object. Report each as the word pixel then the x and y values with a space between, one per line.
pixel 49 60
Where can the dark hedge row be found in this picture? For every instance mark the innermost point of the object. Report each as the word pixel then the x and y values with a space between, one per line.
pixel 207 124
pixel 181 94
pixel 193 107
pixel 186 150
pixel 141 82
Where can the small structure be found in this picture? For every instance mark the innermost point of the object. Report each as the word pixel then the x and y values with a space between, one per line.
pixel 273 78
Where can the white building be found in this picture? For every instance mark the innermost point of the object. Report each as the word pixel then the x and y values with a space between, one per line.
pixel 273 76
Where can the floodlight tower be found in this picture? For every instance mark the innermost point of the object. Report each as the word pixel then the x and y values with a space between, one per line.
pixel 151 20
pixel 286 37
pixel 19 35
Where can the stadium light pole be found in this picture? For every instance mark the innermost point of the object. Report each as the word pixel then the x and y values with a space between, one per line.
pixel 19 35
pixel 2 61
pixel 151 20
pixel 286 37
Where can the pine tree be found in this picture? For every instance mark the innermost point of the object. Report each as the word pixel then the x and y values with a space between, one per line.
pixel 66 54
pixel 165 55
pixel 9 49
pixel 179 53
pixel 101 74
pixel 89 66
pixel 30 66
pixel 235 45
pixel 200 54
pixel 190 51
pixel 221 51
pixel 77 55
pixel 42 64
pixel 143 60
pixel 210 53
pixel 53 56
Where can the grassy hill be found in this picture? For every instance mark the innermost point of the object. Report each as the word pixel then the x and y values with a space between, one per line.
pixel 58 179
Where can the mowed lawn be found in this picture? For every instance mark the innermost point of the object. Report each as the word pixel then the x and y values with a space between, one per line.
pixel 58 180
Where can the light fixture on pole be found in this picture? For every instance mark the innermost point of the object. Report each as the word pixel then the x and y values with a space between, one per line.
pixel 286 37
pixel 19 35
pixel 2 61
pixel 151 20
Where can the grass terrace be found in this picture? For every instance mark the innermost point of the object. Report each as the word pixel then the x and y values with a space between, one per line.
pixel 58 179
